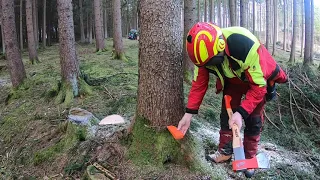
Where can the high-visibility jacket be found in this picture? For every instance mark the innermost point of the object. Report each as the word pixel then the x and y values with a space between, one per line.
pixel 246 60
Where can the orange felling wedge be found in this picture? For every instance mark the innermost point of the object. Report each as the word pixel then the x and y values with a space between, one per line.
pixel 175 132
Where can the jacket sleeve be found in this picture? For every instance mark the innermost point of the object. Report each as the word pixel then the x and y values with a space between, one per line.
pixel 257 86
pixel 198 89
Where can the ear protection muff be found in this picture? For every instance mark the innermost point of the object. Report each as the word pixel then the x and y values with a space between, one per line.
pixel 221 44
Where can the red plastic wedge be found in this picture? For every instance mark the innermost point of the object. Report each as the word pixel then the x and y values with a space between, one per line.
pixel 175 132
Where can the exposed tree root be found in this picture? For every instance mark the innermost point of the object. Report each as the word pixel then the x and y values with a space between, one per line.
pixel 120 56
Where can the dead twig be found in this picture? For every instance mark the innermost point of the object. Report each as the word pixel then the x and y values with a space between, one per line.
pixel 108 92
pixel 280 116
pixel 301 92
pixel 306 121
pixel 265 114
pixel 294 121
pixel 314 113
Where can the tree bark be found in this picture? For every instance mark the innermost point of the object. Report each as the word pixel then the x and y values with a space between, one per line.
pixel 100 45
pixel 284 25
pixel 71 81
pixel 205 11
pixel 254 17
pixel 35 22
pixel 212 15
pixel 21 25
pixel 294 36
pixel 219 13
pixel 275 21
pixel 160 89
pixel 302 28
pixel 44 27
pixel 16 67
pixel 243 14
pixel 307 49
pixel 190 12
pixel 312 32
pixel 82 36
pixel 105 24
pixel 33 56
pixel 118 52
pixel 267 23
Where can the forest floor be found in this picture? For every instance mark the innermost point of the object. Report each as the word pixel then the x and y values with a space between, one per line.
pixel 37 141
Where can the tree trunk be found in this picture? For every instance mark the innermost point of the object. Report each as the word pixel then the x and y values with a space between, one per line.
pixel 210 11
pixel 294 36
pixel 105 24
pixel 190 11
pixel 44 26
pixel 243 14
pixel 16 67
pixel 212 15
pixel 275 21
pixel 312 32
pixel 302 28
pixel 82 36
pixel 100 45
pixel 254 17
pixel 205 11
pixel 219 13
pixel 267 23
pixel 35 22
pixel 21 25
pixel 90 28
pixel 160 90
pixel 71 82
pixel 307 49
pixel 260 18
pixel 199 11
pixel 284 25
pixel 118 52
pixel 33 56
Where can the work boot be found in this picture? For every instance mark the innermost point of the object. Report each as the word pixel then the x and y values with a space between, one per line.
pixel 249 173
pixel 218 157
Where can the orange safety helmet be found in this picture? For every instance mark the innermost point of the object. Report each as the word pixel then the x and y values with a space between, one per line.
pixel 204 41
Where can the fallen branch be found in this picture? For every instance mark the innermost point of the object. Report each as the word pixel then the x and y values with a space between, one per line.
pixel 306 121
pixel 265 114
pixel 301 92
pixel 302 109
pixel 294 121
pixel 108 92
pixel 107 172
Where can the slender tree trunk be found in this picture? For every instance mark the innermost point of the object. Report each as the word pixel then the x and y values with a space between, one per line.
pixel 199 11
pixel 302 28
pixel 275 20
pixel 243 17
pixel 90 28
pixel 117 40
pixel 2 38
pixel 16 67
pixel 205 11
pixel 294 36
pixel 35 22
pixel 100 45
pixel 190 11
pixel 33 56
pixel 70 73
pixel 219 12
pixel 254 17
pixel 44 27
pixel 312 32
pixel 82 36
pixel 307 49
pixel 49 27
pixel 260 18
pixel 105 24
pixel 267 23
pixel 284 24
pixel 21 25
pixel 212 11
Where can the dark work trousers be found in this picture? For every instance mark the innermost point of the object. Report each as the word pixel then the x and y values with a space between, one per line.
pixel 253 124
